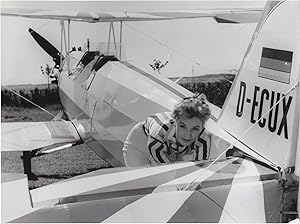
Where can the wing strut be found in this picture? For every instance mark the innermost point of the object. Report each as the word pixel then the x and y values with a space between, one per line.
pixel 121 31
pixel 68 50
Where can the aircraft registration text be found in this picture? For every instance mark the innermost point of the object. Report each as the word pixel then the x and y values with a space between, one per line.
pixel 262 100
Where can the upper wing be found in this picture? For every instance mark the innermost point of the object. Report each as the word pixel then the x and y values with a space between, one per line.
pixel 27 136
pixel 231 16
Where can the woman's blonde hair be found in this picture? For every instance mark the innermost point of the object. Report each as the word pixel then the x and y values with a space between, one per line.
pixel 195 106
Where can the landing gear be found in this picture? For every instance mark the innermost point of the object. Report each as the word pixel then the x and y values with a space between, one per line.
pixel 27 164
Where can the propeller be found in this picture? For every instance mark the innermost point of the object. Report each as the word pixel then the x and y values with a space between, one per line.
pixel 48 47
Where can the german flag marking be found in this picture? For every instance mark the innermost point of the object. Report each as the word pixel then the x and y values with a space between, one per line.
pixel 276 65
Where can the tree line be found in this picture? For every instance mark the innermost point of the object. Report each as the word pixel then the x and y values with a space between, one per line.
pixel 42 97
pixel 216 91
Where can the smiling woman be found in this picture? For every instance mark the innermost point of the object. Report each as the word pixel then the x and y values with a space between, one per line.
pixel 170 137
pixel 190 116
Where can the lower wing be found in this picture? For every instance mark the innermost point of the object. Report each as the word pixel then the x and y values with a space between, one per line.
pixel 28 136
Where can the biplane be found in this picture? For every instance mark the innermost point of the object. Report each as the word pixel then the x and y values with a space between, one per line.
pixel 101 103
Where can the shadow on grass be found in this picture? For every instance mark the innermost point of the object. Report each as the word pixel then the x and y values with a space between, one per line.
pixel 66 176
pixel 93 169
pixel 53 176
pixel 56 176
pixel 98 168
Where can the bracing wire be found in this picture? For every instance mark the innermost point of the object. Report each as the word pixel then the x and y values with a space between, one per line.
pixel 222 207
pixel 43 25
pixel 38 106
pixel 172 49
pixel 188 186
pixel 163 44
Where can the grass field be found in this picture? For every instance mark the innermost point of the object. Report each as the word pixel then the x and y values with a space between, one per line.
pixel 52 167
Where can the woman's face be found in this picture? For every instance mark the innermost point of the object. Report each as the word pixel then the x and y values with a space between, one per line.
pixel 188 130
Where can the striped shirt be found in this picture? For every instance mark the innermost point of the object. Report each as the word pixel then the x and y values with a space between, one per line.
pixel 162 146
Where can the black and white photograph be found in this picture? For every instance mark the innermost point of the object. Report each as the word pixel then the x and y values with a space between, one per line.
pixel 150 111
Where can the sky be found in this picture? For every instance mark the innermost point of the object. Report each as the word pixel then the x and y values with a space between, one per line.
pixel 191 46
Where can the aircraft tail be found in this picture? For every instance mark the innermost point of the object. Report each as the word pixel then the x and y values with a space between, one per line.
pixel 262 107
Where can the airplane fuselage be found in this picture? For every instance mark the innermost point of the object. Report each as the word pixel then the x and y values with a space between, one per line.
pixel 114 96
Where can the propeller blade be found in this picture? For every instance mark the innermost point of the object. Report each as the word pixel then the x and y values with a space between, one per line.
pixel 47 46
